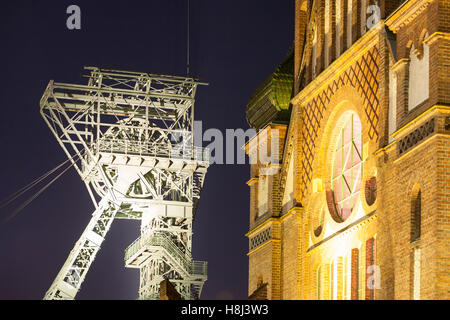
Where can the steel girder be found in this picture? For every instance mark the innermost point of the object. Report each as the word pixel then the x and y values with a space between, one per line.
pixel 72 274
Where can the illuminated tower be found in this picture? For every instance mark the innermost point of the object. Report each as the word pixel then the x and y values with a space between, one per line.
pixel 130 137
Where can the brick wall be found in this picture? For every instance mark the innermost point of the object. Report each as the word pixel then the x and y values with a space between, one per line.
pixel 260 264
pixel 381 232
pixel 289 245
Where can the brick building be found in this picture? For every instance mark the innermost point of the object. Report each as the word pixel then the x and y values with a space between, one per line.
pixel 357 206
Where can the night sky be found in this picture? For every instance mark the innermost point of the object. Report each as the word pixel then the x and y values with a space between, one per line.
pixel 235 45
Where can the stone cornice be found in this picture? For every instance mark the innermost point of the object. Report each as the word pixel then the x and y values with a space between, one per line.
pixel 274 220
pixel 406 13
pixel 426 115
pixel 253 143
pixel 437 36
pixel 294 210
pixel 346 230
pixel 262 226
pixel 410 126
pixel 400 63
pixel 252 181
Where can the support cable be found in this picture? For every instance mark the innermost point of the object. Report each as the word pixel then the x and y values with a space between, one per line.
pixel 29 186
pixel 33 197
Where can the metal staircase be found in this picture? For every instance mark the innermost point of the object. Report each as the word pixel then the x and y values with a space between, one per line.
pixel 160 244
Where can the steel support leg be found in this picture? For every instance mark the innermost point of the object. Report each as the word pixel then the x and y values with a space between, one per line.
pixel 72 274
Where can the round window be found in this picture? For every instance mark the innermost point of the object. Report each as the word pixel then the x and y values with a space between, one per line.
pixel 346 169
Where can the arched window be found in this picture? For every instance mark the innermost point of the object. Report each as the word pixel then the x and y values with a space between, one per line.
pixel 337 278
pixel 323 282
pixel 416 217
pixel 319 283
pixel 416 213
pixel 372 275
pixel 354 294
pixel 327 33
pixel 363 17
pixel 338 27
pixel 314 53
pixel 346 170
pixel 349 23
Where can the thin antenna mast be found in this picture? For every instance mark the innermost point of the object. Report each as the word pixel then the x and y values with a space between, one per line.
pixel 188 38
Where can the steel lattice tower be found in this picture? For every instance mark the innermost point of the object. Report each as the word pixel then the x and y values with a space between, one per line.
pixel 130 137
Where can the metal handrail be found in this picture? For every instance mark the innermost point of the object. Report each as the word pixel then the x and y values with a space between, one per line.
pixel 199 268
pixel 196 268
pixel 158 150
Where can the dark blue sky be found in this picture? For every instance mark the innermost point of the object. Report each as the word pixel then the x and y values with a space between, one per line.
pixel 235 45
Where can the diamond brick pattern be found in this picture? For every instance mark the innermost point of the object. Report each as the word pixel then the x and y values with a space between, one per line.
pixel 260 238
pixel 416 136
pixel 364 76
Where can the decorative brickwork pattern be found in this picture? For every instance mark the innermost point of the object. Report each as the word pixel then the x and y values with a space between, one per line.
pixel 260 238
pixel 364 76
pixel 416 136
